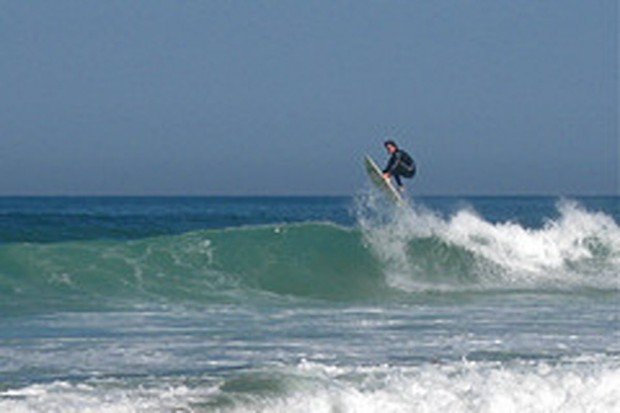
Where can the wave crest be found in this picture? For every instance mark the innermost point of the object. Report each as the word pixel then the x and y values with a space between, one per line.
pixel 391 253
pixel 422 250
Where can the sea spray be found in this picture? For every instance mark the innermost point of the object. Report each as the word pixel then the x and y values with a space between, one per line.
pixel 421 250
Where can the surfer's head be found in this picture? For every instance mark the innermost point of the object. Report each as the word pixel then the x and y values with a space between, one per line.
pixel 390 145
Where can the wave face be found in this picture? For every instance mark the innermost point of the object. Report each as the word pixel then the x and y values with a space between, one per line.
pixel 389 252
pixel 309 260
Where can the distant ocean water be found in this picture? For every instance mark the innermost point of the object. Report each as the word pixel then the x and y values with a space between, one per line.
pixel 309 304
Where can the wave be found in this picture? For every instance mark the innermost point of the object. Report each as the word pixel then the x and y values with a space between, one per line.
pixel 421 250
pixel 315 260
pixel 573 385
pixel 455 387
pixel 390 252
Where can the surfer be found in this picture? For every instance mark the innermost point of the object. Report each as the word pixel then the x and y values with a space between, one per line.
pixel 400 165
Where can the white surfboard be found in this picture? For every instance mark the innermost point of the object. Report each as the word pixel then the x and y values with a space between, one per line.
pixel 376 176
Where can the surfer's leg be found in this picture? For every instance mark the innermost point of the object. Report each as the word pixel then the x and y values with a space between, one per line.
pixel 398 181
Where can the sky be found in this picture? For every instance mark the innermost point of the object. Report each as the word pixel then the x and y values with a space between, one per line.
pixel 286 97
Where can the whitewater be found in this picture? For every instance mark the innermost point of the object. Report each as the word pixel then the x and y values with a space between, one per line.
pixel 309 304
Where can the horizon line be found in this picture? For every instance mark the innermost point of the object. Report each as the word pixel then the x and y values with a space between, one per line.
pixel 311 195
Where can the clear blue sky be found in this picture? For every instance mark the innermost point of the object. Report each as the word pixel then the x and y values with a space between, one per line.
pixel 285 97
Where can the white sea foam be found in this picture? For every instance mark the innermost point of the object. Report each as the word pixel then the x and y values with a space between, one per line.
pixel 102 397
pixel 579 248
pixel 569 239
pixel 461 387
pixel 577 386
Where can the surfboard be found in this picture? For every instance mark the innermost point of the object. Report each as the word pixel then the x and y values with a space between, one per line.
pixel 376 176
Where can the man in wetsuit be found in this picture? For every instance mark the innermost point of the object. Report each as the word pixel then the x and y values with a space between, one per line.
pixel 401 164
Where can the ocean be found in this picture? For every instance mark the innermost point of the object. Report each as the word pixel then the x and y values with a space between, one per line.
pixel 309 304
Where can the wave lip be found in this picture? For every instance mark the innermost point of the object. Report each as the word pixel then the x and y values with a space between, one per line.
pixel 423 251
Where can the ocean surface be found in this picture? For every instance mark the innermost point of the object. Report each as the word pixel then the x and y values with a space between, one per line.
pixel 309 304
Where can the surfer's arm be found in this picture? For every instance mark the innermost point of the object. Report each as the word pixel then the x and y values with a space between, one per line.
pixel 391 165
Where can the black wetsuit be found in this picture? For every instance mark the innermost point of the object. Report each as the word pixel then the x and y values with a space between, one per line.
pixel 401 164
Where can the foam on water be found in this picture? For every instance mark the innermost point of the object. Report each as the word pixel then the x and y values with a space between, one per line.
pixel 578 249
pixel 105 396
pixel 571 386
pixel 464 387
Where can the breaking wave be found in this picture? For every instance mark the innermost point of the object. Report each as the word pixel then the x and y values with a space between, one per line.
pixel 576 386
pixel 389 252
